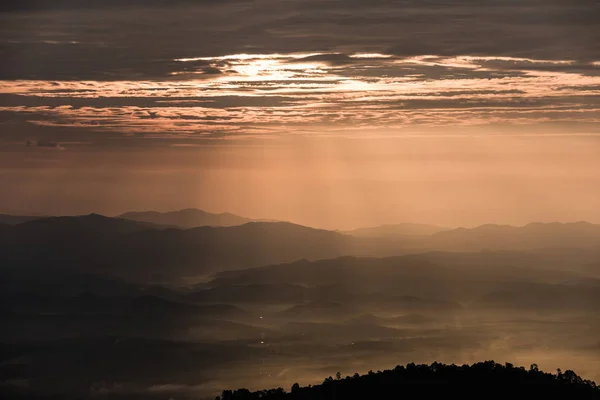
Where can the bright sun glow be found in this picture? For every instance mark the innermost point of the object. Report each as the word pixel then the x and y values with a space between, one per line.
pixel 352 90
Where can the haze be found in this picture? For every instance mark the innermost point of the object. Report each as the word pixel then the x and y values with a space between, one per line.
pixel 207 195
pixel 330 183
pixel 422 112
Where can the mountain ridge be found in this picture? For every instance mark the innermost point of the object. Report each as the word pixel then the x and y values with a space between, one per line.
pixel 401 229
pixel 113 245
pixel 187 218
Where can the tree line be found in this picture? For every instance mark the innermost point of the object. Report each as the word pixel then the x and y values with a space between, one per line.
pixel 480 380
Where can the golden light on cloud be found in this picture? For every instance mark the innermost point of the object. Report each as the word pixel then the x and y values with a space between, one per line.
pixel 370 55
pixel 291 124
pixel 296 92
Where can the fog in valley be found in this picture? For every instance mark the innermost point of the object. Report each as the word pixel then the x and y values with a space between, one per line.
pixel 133 309
pixel 299 199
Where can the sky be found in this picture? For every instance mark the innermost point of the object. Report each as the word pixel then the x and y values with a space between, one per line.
pixel 334 114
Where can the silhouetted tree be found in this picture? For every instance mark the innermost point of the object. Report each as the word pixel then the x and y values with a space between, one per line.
pixel 479 380
pixel 226 395
pixel 533 367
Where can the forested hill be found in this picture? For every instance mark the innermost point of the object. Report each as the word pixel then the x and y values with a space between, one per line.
pixel 481 380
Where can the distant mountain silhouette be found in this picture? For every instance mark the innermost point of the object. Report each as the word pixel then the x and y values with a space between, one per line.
pixel 368 319
pixel 406 319
pixel 258 293
pixel 506 237
pixel 16 219
pixel 188 218
pixel 4 228
pixel 396 230
pixel 86 288
pixel 321 309
pixel 88 225
pixel 45 281
pixel 544 296
pixel 411 283
pixel 205 249
pixel 413 303
pixel 150 252
pixel 347 331
pixel 416 319
pixel 90 303
pixel 412 238
pixel 437 381
pixel 141 250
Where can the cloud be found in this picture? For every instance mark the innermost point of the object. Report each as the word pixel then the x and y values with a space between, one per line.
pixel 41 5
pixel 45 45
pixel 329 58
pixel 290 91
pixel 225 67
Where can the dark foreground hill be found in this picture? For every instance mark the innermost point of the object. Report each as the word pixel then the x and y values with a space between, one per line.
pixel 481 380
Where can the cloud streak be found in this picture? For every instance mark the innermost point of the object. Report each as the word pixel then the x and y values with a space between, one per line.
pixel 273 93
pixel 264 67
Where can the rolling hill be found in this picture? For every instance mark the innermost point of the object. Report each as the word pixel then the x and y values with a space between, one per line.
pixel 505 237
pixel 16 219
pixel 131 249
pixel 188 218
pixel 150 252
pixel 396 230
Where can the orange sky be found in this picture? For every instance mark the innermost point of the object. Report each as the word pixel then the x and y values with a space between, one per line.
pixel 333 114
pixel 329 183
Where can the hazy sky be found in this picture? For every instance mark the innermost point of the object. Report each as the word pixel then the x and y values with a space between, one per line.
pixel 329 113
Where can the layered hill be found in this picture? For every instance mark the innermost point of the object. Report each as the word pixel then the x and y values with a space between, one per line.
pixel 396 230
pixel 148 251
pixel 188 218
pixel 117 246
